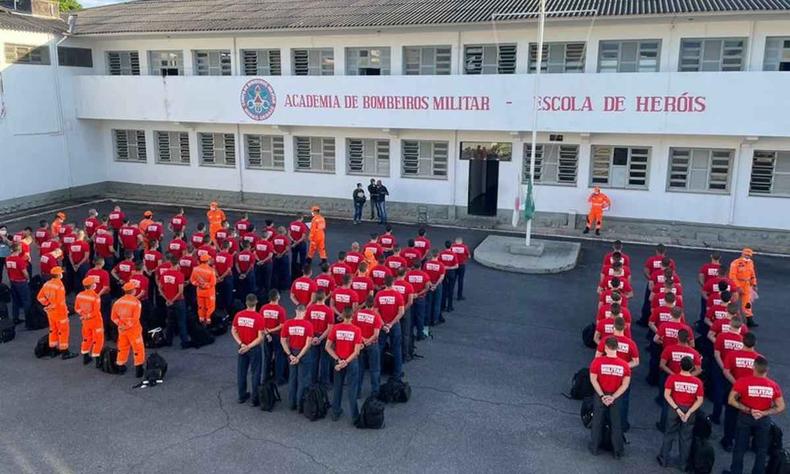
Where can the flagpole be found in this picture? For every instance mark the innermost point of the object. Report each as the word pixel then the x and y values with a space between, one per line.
pixel 541 24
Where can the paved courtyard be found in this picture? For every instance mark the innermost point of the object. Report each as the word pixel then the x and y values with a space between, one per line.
pixel 486 397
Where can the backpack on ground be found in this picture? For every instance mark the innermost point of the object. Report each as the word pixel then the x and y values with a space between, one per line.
pixel 581 387
pixel 155 370
pixel 775 438
pixel 588 336
pixel 702 457
pixel 372 414
pixel 42 348
pixel 155 338
pixel 395 391
pixel 7 330
pixel 199 335
pixel 5 293
pixel 107 359
pixel 36 317
pixel 316 402
pixel 778 462
pixel 268 394
pixel 219 324
pixel 702 426
pixel 587 412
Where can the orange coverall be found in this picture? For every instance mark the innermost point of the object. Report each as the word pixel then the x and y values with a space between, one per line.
pixel 743 275
pixel 126 315
pixel 55 227
pixel 53 297
pixel 317 237
pixel 88 305
pixel 204 278
pixel 215 218
pixel 598 203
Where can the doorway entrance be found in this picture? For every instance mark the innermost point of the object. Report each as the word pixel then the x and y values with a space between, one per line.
pixel 484 158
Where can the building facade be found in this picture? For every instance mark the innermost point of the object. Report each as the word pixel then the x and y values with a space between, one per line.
pixel 678 116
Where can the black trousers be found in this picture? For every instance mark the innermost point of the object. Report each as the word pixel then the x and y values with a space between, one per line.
pixel 601 413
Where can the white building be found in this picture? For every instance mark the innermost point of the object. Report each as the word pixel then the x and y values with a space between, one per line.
pixel 677 109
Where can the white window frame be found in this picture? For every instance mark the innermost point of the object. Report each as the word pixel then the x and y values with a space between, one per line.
pixel 27 55
pixel 129 146
pixel 428 60
pixel 314 155
pixel 175 60
pixel 490 58
pixel 768 168
pixel 172 148
pixel 368 156
pixel 636 167
pixel 371 57
pixel 429 159
pixel 682 167
pixel 553 63
pixel 777 53
pixel 265 62
pixel 647 55
pixel 128 63
pixel 320 61
pixel 212 62
pixel 217 149
pixel 264 152
pixel 694 58
pixel 555 164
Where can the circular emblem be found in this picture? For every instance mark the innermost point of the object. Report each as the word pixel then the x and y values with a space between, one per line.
pixel 257 99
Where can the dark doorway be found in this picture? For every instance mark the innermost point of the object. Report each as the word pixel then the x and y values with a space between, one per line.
pixel 483 187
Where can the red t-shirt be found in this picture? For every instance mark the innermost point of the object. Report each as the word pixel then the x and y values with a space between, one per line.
pixel 66 239
pixel 47 263
pixel 49 245
pixel 605 311
pixel 320 315
pixel 41 235
pixel 223 262
pixel 221 236
pixel 609 271
pixel 79 250
pixel 242 225
pixel 606 298
pixel 624 288
pixel 103 245
pixel 325 282
pixel 128 235
pixel 161 269
pixel 338 270
pixel 248 324
pixel 346 337
pixel 461 252
pixel 186 264
pixel 273 315
pixel 154 231
pixel 177 247
pixel 101 277
pixel 723 325
pixel 626 348
pixel 448 258
pixel 396 262
pixel 15 266
pixel 422 244
pixel 124 270
pixel 727 342
pixel 91 224
pixel 608 260
pixel 374 247
pixel 387 241
pixel 418 280
pixel 654 263
pixel 142 285
pixel 245 260
pixel 178 223
pixel 757 393
pixel 412 255
pixel 672 355
pixel 169 281
pixel 715 312
pixel 197 239
pixel 605 327
pixel 250 237
pixel 297 331
pixel 344 298
pixel 611 372
pixel 378 274
pixel 660 301
pixel 712 285
pixel 388 303
pixel 740 363
pixel 152 259
pixel 353 259
pixel 684 389
pixel 302 289
pixel 115 219
pixel 263 249
pixel 668 332
pixel 362 286
pixel 404 288
pixel 710 271
pixel 206 249
pixel 368 320
pixel 281 243
pixel 434 269
pixel 297 230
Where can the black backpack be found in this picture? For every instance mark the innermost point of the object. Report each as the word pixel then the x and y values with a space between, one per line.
pixel 199 335
pixel 316 402
pixel 219 324
pixel 775 438
pixel 588 336
pixel 7 330
pixel 155 370
pixel 268 394
pixel 372 414
pixel 702 426
pixel 702 457
pixel 395 391
pixel 581 387
pixel 587 412
pixel 42 348
pixel 778 462
pixel 155 338
pixel 107 359
pixel 36 317
pixel 5 293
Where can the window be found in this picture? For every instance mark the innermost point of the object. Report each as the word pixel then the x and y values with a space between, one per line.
pixel 619 167
pixel 315 154
pixel 261 62
pixel 368 157
pixel 76 57
pixel 699 169
pixel 628 56
pixel 424 159
pixel 25 54
pixel 367 61
pixel 426 61
pixel 129 145
pixel 554 163
pixel 722 54
pixel 172 147
pixel 212 63
pixel 777 54
pixel 217 149
pixel 490 59
pixel 558 57
pixel 770 173
pixel 314 62
pixel 123 63
pixel 265 152
pixel 167 63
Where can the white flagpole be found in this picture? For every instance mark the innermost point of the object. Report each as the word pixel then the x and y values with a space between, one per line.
pixel 541 24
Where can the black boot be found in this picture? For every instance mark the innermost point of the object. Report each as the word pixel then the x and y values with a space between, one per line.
pixel 138 371
pixel 86 359
pixel 597 231
pixel 750 322
pixel 323 261
pixel 121 369
pixel 67 355
pixel 586 230
pixel 98 363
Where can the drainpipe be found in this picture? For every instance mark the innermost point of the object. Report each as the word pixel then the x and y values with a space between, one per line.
pixel 59 98
pixel 239 148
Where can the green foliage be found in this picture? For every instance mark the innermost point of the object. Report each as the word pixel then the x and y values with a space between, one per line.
pixel 69 5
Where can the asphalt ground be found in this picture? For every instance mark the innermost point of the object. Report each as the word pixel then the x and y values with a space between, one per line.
pixel 486 397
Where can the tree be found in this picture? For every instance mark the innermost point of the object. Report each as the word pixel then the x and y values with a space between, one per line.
pixel 69 5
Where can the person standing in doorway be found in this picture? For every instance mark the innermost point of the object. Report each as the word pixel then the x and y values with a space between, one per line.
pixel 359 199
pixel 374 196
pixel 381 202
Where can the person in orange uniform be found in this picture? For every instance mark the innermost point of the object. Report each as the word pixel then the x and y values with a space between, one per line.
pixel 215 218
pixel 317 235
pixel 204 278
pixel 745 278
pixel 599 202
pixel 126 315
pixel 88 305
pixel 148 219
pixel 60 218
pixel 53 297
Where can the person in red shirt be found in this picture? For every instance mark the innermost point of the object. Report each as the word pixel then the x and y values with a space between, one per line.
pixel 324 281
pixel 757 398
pixel 303 288
pixel 178 223
pixel 321 317
pixel 264 254
pixel 462 253
pixel 340 269
pixel 421 243
pixel 411 254
pixel 391 306
pixel 343 297
pixel 667 333
pixel 269 230
pixel 379 272
pixel 223 233
pixel 153 235
pixel 374 246
pixel 16 267
pixel 408 325
pixel 131 237
pixel 91 223
pixel 660 316
pixel 718 309
pixel 612 310
pixel 142 283
pixel 651 265
pixel 104 247
pixel 388 242
pixel 247 331
pixel 243 225
pixel 605 328
pixel 152 258
pixel 177 246
pixel 185 265
pixel 296 338
pixel 435 269
pixel 281 271
pixel 274 361
pixel 684 395
pixel 726 342
pixel 617 284
pixel 368 320
pixel 47 262
pixel 171 287
pixel 245 270
pixel 615 270
pixel 395 261
pixel 669 364
pixel 79 258
pixel 206 249
pixel 628 352
pixel 451 263
pixel 102 279
pixel 723 324
pixel 610 377
pixel 42 233
pixel 223 264
pixel 344 345
pixel 707 271
pixel 354 258
pixel 298 232
pixel 116 219
pixel 362 284
pixel 122 272
pixel 737 365
pixel 617 248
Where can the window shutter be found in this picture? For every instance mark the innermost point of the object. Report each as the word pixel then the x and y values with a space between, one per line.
pixel 355 156
pixel 601 161
pixel 303 159
pixel 442 60
pixel 719 170
pixel 328 154
pixel 141 152
pixel 763 163
pixel 254 151
pixel 163 143
pixel 183 141
pixel 680 161
pixel 207 148
pixel 568 164
pixel 382 157
pixel 411 157
pixel 229 141
pixel 440 158
pixel 301 62
pixel 121 145
pixel 473 60
pixel 538 174
pixel 507 59
pixel 637 166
